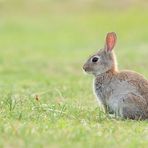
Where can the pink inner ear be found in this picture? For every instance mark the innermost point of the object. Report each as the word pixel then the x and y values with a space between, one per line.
pixel 110 41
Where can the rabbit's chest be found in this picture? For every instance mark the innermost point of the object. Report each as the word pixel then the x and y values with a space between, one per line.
pixel 102 91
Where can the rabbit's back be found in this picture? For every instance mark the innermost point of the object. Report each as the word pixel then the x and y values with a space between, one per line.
pixel 136 80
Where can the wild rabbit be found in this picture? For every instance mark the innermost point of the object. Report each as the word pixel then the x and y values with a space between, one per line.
pixel 124 93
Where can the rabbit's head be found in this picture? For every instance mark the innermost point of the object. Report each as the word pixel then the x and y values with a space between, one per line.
pixel 104 60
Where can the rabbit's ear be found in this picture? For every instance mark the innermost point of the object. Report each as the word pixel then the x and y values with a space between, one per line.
pixel 110 41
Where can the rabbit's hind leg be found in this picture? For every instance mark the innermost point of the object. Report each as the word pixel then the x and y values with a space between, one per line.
pixel 134 107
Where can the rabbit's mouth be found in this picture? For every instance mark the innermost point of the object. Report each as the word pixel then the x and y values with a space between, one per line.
pixel 86 68
pixel 88 72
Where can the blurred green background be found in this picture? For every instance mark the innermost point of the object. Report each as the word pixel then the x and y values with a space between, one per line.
pixel 45 99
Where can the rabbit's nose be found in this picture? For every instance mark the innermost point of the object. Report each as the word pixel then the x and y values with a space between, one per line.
pixel 85 67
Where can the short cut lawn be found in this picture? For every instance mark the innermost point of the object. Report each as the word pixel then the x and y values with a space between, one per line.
pixel 45 98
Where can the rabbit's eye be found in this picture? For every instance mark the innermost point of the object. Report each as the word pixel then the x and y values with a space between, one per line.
pixel 95 59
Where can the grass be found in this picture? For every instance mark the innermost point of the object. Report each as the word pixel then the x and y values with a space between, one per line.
pixel 45 99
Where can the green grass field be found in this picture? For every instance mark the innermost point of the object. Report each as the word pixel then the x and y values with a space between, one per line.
pixel 45 98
